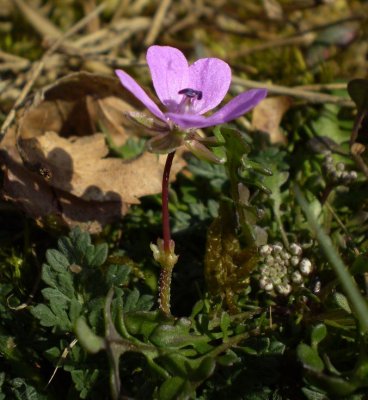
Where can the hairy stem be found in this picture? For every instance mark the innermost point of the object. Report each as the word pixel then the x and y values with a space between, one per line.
pixel 166 266
pixel 165 290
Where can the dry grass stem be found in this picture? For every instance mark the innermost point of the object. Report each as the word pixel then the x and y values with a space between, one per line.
pixel 38 67
pixel 88 7
pixel 41 24
pixel 304 40
pixel 311 97
pixel 157 23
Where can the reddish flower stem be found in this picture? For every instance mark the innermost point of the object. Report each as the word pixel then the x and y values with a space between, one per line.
pixel 165 202
pixel 166 263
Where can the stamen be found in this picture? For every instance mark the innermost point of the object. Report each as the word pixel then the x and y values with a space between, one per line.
pixel 191 93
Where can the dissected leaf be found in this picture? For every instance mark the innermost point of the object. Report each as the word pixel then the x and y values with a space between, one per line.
pixel 175 388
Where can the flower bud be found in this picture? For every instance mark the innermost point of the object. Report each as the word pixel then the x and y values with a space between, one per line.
pixel 202 152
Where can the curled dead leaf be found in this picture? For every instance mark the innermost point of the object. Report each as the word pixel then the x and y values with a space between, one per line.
pixel 357 148
pixel 56 162
pixel 267 116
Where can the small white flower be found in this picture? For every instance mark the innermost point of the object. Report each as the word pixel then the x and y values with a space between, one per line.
pixel 277 248
pixel 305 266
pixel 278 259
pixel 264 270
pixel 265 250
pixel 294 261
pixel 345 175
pixel 270 260
pixel 353 175
pixel 266 284
pixel 296 277
pixel 295 249
pixel 283 289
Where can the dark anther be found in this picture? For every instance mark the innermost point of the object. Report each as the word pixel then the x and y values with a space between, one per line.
pixel 191 93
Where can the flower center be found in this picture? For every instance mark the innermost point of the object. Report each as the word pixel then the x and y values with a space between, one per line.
pixel 189 96
pixel 191 93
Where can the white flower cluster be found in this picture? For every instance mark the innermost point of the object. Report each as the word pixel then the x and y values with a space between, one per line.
pixel 282 269
pixel 336 173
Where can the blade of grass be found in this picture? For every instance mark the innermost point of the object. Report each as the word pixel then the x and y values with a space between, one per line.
pixel 357 301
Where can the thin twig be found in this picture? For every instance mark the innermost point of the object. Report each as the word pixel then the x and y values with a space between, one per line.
pixel 38 67
pixel 194 13
pixel 41 24
pixel 88 7
pixel 323 86
pixel 7 57
pixel 120 10
pixel 33 75
pixel 87 43
pixel 157 22
pixel 61 359
pixel 13 66
pixel 115 62
pixel 303 40
pixel 311 97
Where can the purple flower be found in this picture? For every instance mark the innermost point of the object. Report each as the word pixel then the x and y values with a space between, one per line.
pixel 188 92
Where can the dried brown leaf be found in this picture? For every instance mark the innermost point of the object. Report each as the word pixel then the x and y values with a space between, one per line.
pixel 268 114
pixel 56 162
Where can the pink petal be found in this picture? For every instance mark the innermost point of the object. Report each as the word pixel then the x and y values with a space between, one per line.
pixel 212 77
pixel 169 71
pixel 236 107
pixel 130 84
